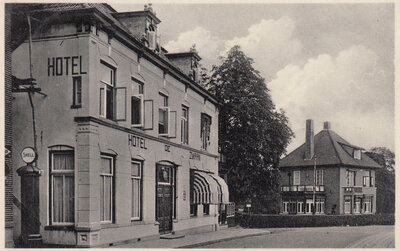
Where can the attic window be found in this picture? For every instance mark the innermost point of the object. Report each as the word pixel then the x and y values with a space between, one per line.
pixel 357 154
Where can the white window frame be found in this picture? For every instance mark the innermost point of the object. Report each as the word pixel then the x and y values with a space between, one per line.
pixel 104 84
pixel 300 207
pixel 309 203
pixel 357 206
pixel 350 182
pixel 285 207
pixel 141 98
pixel 347 206
pixel 368 204
pixel 185 126
pixel 62 173
pixel 296 173
pixel 111 184
pixel 167 128
pixel 357 154
pixel 205 138
pixel 140 178
pixel 320 177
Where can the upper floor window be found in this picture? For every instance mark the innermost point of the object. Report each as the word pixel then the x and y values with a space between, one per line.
pixel 319 179
pixel 76 92
pixel 357 154
pixel 185 125
pixel 205 130
pixel 112 104
pixel 296 178
pixel 350 178
pixel 107 84
pixel 137 104
pixel 163 116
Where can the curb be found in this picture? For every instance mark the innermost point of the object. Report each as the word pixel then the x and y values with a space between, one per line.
pixel 223 239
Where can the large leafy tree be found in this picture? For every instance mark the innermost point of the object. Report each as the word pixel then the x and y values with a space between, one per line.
pixel 385 179
pixel 252 133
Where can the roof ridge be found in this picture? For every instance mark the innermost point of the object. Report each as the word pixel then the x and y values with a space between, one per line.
pixel 334 147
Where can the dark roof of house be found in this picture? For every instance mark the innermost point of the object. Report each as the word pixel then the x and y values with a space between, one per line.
pixel 329 149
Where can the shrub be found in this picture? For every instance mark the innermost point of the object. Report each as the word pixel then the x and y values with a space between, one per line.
pixel 272 221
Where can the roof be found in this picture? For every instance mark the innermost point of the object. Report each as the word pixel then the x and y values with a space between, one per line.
pixel 329 149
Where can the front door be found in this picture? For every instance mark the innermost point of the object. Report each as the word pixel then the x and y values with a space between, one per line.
pixel 165 202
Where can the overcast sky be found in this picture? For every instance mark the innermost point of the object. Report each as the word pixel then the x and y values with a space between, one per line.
pixel 326 62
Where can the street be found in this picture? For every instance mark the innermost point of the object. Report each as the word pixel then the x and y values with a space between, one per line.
pixel 318 237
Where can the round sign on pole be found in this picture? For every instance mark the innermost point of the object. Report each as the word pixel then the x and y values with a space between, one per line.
pixel 28 155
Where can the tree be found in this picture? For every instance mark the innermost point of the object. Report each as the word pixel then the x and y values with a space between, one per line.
pixel 385 179
pixel 252 134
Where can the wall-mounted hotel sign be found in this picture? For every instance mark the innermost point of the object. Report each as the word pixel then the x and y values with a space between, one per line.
pixel 136 141
pixel 70 65
pixel 28 155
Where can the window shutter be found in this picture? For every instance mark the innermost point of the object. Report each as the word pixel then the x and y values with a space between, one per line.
pixel 172 124
pixel 120 94
pixel 148 115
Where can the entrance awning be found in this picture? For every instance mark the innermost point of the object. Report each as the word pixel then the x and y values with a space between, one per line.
pixel 208 188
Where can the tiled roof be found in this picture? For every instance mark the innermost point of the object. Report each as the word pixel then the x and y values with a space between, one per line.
pixel 330 149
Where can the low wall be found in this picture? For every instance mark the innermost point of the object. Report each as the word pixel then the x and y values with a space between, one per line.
pixel 272 221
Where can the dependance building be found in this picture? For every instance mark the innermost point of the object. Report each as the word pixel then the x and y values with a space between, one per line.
pixel 127 140
pixel 327 175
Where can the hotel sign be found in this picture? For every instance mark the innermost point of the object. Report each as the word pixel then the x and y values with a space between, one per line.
pixel 59 66
pixel 136 141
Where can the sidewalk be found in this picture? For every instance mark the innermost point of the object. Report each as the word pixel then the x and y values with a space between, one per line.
pixel 196 240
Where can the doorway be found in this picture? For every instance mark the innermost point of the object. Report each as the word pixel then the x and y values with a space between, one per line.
pixel 165 197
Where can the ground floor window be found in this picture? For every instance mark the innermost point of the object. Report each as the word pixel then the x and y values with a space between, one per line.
pixel 292 207
pixel 357 205
pixel 106 188
pixel 347 204
pixel 62 187
pixel 206 209
pixel 368 204
pixel 285 207
pixel 309 206
pixel 320 206
pixel 136 179
pixel 193 210
pixel 300 207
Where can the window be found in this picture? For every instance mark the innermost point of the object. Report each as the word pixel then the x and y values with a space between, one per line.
pixel 185 125
pixel 357 154
pixel 366 181
pixel 309 206
pixel 372 180
pixel 163 117
pixel 206 209
pixel 296 178
pixel 205 130
pixel 300 207
pixel 319 178
pixel 193 210
pixel 347 204
pixel 62 187
pixel 137 104
pixel 107 84
pixel 368 204
pixel 285 207
pixel 136 177
pixel 350 178
pixel 320 206
pixel 77 92
pixel 106 188
pixel 357 205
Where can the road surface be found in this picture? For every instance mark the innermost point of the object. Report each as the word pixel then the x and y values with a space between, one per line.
pixel 318 237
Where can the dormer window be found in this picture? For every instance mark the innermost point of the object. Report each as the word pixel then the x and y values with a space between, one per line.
pixel 151 37
pixel 357 154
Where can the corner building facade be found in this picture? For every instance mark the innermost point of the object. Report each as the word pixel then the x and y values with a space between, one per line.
pixel 127 140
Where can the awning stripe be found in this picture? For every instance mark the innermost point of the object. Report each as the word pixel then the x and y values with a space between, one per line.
pixel 209 188
pixel 224 187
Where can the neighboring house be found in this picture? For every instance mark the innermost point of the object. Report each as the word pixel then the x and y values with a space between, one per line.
pixel 127 138
pixel 327 175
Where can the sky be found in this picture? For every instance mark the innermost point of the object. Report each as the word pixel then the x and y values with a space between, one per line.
pixel 325 62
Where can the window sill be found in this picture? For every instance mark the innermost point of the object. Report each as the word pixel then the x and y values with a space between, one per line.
pixel 76 106
pixel 138 222
pixel 108 225
pixel 60 227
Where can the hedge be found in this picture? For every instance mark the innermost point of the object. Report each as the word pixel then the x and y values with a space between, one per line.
pixel 271 221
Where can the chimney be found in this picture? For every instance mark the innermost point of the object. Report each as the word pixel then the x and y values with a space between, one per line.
pixel 309 139
pixel 327 125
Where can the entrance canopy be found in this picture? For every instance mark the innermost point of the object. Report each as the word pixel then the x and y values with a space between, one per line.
pixel 209 188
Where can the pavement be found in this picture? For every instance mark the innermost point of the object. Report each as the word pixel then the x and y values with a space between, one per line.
pixel 197 240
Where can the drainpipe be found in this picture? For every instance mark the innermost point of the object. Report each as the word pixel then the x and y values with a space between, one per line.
pixel 315 179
